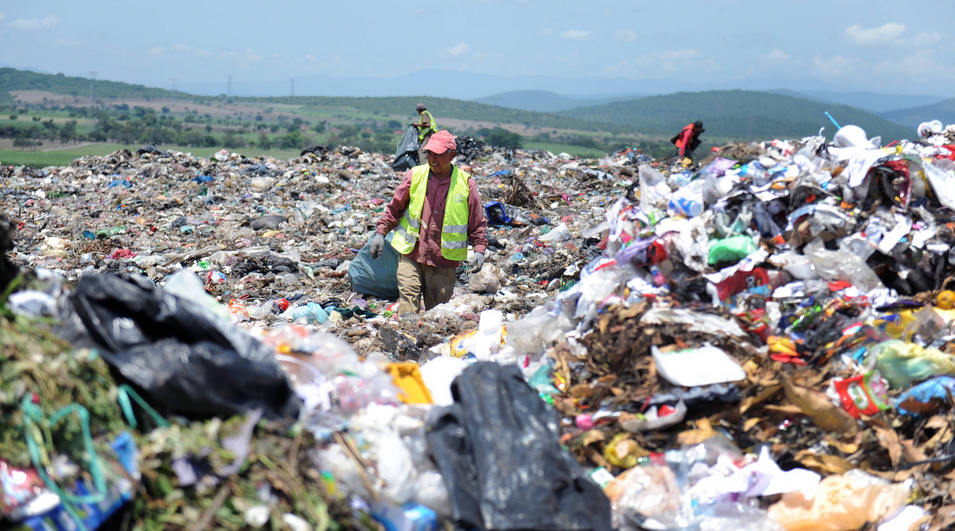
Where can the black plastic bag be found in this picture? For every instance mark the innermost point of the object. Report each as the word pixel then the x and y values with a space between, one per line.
pixel 498 449
pixel 406 157
pixel 185 360
pixel 8 271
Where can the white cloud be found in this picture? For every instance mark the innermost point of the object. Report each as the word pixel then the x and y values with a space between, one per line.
pixel 575 34
pixel 311 57
pixel 835 67
pixel 240 55
pixel 926 39
pixel 184 48
pixel 661 64
pixel 2 18
pixel 458 49
pixel 884 34
pixel 547 32
pixel 892 74
pixel 777 55
pixel 35 23
pixel 570 60
pixel 626 35
pixel 157 51
pixel 922 65
pixel 679 55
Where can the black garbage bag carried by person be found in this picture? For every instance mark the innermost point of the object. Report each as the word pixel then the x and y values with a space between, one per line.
pixel 499 452
pixel 184 359
pixel 406 157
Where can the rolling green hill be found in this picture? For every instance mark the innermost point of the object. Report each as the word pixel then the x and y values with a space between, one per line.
pixel 12 79
pixel 943 111
pixel 447 108
pixel 533 100
pixel 738 114
pixel 545 101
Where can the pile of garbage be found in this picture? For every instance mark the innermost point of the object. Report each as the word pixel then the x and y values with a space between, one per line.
pixel 761 341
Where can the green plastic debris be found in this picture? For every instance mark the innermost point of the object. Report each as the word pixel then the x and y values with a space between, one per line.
pixel 106 233
pixel 731 249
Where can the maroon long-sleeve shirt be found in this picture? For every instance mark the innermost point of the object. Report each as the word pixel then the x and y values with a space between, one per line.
pixel 428 248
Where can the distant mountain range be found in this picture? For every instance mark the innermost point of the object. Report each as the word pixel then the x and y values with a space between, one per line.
pixel 867 101
pixel 737 114
pixel 905 110
pixel 546 101
pixel 901 109
pixel 943 111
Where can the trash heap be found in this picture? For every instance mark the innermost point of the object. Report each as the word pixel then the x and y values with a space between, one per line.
pixel 761 341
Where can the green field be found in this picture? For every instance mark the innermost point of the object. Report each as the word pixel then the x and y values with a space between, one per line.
pixel 63 157
pixel 577 151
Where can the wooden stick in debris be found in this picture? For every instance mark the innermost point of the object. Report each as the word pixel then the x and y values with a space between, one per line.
pixel 217 502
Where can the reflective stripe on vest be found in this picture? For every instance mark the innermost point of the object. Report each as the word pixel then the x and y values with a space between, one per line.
pixel 454 231
pixel 432 129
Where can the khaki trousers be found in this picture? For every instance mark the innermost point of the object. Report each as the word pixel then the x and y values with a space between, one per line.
pixel 422 154
pixel 435 284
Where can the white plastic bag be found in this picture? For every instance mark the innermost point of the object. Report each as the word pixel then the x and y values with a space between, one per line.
pixel 487 280
pixel 696 367
pixel 560 233
pixel 841 265
pixel 943 182
pixel 654 191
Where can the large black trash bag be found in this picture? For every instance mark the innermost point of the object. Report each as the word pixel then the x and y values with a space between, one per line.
pixel 185 360
pixel 8 271
pixel 498 449
pixel 406 157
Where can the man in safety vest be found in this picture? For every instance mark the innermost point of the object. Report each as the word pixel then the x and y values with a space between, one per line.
pixel 435 211
pixel 426 127
pixel 687 140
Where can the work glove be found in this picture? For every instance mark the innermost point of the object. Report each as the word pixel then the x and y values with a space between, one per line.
pixel 377 245
pixel 477 261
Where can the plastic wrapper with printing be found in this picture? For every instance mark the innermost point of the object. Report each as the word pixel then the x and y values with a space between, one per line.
pixel 498 450
pixel 186 360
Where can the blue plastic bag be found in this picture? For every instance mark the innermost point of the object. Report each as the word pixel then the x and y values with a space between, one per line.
pixel 923 394
pixel 311 311
pixel 375 277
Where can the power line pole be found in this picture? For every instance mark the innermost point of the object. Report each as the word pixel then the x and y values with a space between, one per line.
pixel 230 86
pixel 174 83
pixel 292 89
pixel 92 77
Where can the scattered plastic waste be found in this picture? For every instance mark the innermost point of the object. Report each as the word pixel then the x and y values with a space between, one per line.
pixel 649 344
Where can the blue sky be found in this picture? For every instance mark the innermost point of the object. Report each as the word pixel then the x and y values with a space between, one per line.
pixel 587 47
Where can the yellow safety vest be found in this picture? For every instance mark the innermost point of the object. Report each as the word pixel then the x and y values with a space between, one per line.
pixel 454 232
pixel 432 129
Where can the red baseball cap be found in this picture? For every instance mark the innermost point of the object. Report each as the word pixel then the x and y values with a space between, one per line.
pixel 440 142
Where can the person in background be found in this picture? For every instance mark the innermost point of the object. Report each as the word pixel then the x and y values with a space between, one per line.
pixel 426 127
pixel 435 212
pixel 687 140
